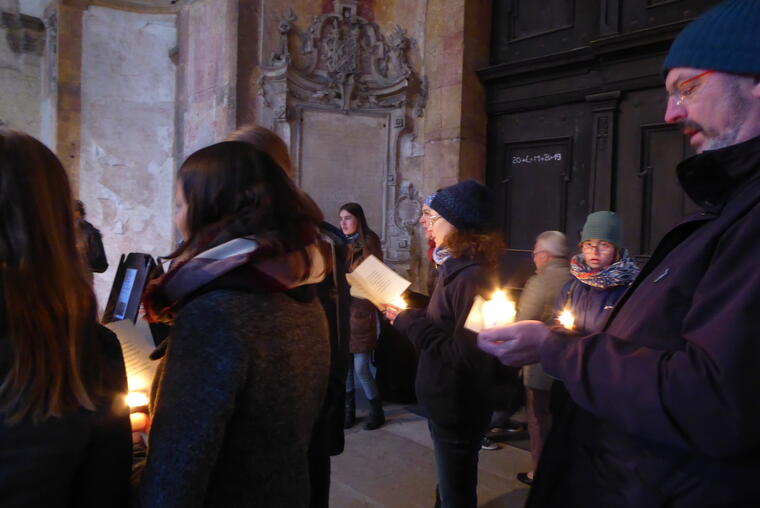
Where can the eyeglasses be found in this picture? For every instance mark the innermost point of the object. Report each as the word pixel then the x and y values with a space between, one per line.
pixel 686 89
pixel 537 252
pixel 428 219
pixel 600 246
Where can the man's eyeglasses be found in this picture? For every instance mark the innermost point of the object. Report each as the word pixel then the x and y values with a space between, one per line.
pixel 686 89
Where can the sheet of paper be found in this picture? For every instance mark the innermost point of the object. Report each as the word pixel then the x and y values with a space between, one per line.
pixel 378 281
pixel 136 345
pixel 474 320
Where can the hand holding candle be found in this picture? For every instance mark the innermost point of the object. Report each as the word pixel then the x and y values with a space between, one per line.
pixel 515 344
pixel 393 309
pixel 498 310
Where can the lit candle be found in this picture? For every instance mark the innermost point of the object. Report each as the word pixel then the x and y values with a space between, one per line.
pixel 498 310
pixel 399 302
pixel 567 319
pixel 136 399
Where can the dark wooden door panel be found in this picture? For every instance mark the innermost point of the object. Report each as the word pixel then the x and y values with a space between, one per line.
pixel 541 178
pixel 536 175
pixel 650 199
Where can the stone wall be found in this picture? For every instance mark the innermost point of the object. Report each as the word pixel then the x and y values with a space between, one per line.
pixel 22 44
pixel 207 55
pixel 127 163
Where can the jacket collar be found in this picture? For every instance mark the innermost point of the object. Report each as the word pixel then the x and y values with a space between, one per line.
pixel 452 266
pixel 711 177
pixel 554 263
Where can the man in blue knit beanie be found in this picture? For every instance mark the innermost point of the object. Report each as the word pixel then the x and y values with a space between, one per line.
pixel 663 401
pixel 712 74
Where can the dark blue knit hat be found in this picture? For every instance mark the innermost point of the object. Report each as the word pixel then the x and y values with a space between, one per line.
pixel 726 38
pixel 466 205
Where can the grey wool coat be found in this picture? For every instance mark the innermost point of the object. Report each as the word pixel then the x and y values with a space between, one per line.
pixel 537 301
pixel 234 401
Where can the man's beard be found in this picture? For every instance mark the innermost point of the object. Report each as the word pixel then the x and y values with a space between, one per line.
pixel 736 104
pixel 726 138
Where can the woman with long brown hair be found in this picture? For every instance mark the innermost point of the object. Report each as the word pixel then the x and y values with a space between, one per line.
pixel 362 243
pixel 63 421
pixel 242 379
pixel 327 437
pixel 454 379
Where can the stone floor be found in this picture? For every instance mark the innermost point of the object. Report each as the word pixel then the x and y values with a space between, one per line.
pixel 394 467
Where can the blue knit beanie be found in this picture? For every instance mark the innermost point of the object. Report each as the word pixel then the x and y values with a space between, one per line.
pixel 726 38
pixel 465 205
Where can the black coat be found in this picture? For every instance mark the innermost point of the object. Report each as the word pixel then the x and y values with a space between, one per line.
pixel 454 378
pixel 82 459
pixel 334 296
pixel 669 387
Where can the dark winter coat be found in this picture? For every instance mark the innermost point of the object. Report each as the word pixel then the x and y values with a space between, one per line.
pixel 454 378
pixel 333 293
pixel 363 312
pixel 670 386
pixel 591 306
pixel 234 401
pixel 81 459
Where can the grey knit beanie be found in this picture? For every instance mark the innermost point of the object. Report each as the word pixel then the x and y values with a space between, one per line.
pixel 465 205
pixel 726 38
pixel 605 226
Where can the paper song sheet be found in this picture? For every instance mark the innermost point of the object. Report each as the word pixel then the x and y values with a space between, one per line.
pixel 376 282
pixel 136 346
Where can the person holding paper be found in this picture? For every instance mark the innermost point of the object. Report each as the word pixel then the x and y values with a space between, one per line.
pixel 362 243
pixel 241 380
pixel 454 378
pixel 64 423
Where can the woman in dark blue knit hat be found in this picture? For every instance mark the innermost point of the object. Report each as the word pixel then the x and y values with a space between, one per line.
pixel 454 378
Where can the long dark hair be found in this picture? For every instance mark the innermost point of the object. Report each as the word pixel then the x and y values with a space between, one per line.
pixel 49 306
pixel 369 240
pixel 234 189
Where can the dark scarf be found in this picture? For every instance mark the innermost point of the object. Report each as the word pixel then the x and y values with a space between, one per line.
pixel 620 273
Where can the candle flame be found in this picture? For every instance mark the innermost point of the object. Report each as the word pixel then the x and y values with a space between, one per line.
pixel 136 399
pixel 567 319
pixel 498 310
pixel 399 303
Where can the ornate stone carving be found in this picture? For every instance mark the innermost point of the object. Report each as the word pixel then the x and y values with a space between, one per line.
pixel 344 63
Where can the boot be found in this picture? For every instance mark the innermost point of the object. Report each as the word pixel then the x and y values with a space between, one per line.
pixel 349 418
pixel 376 416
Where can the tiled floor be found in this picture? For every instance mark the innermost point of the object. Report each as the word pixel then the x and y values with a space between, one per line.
pixel 394 467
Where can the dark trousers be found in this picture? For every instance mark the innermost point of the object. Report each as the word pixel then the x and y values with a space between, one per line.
pixel 456 463
pixel 539 420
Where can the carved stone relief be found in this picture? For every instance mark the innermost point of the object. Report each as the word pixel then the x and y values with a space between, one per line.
pixel 344 64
